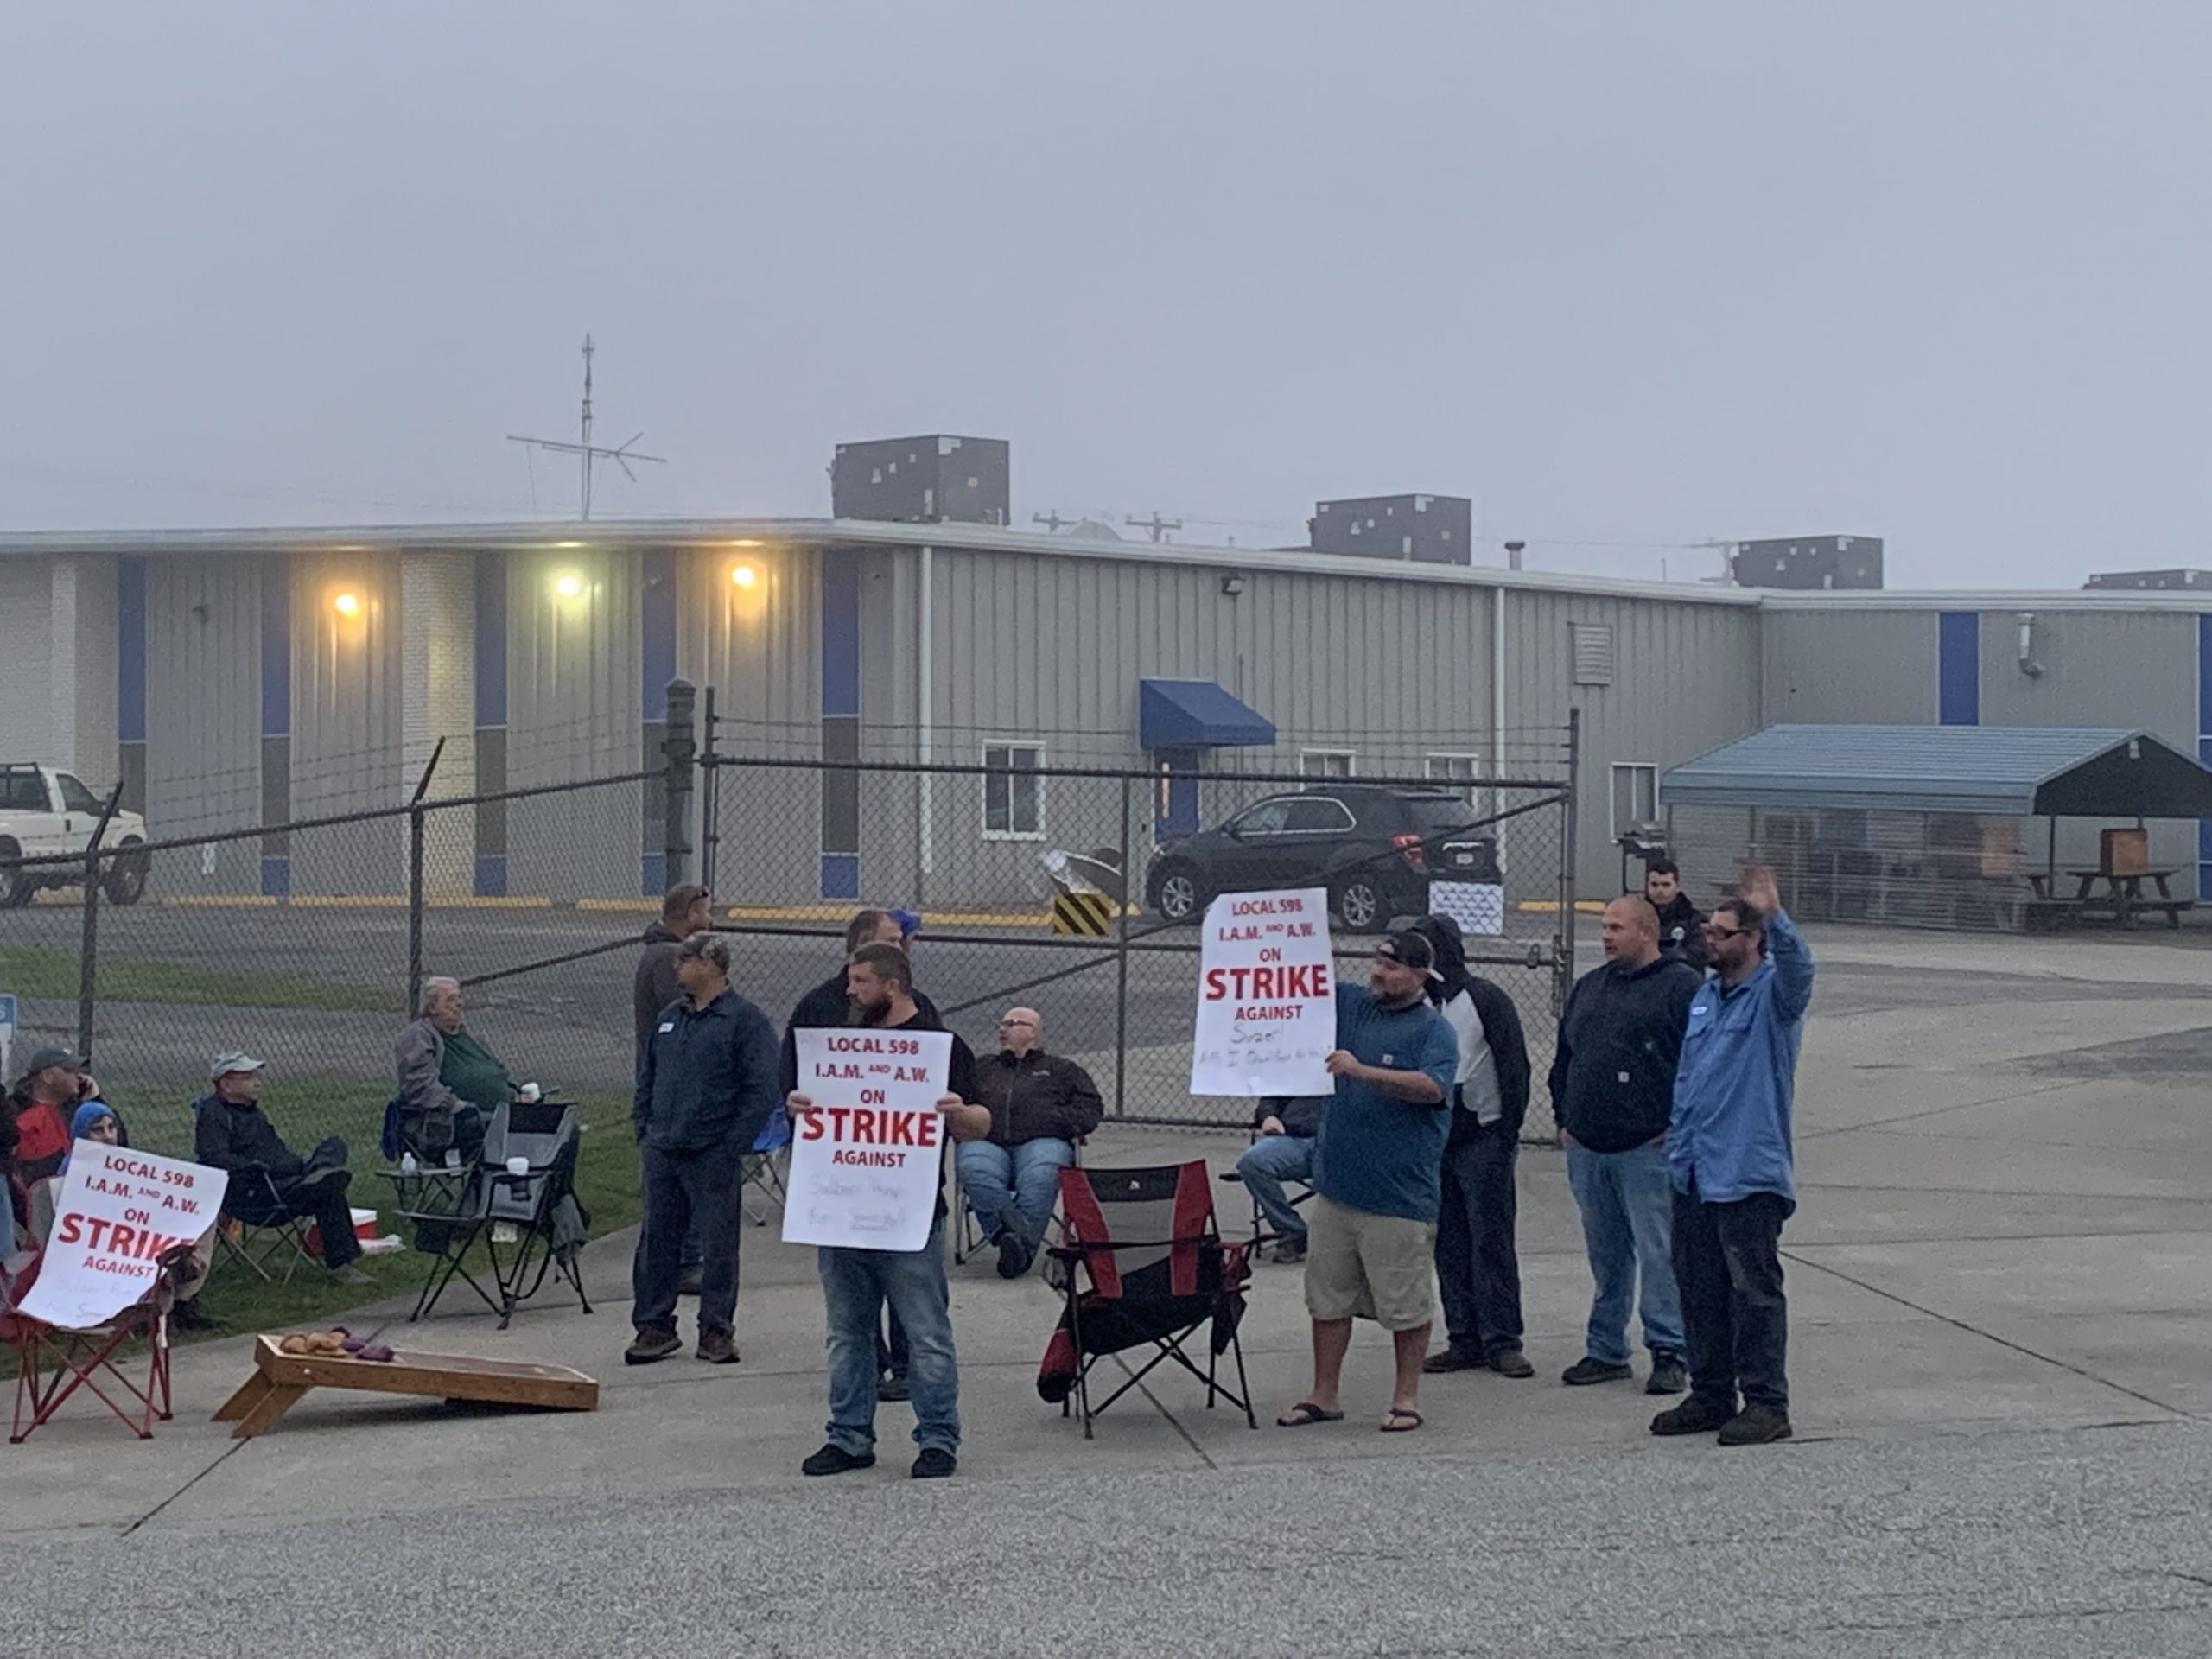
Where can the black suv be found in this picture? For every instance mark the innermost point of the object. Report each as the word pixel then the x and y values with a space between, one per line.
pixel 1374 848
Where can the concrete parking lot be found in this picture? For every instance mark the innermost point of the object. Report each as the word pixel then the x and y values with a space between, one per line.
pixel 2002 1283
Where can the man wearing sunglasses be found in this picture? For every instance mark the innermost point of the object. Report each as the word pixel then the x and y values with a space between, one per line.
pixel 1729 1154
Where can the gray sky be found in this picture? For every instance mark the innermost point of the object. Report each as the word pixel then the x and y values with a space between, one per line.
pixel 1627 274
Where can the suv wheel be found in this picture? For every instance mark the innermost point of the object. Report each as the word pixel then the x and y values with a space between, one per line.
pixel 15 888
pixel 126 875
pixel 1359 903
pixel 1176 895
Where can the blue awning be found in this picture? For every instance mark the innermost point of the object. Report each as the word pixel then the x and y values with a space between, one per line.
pixel 1196 715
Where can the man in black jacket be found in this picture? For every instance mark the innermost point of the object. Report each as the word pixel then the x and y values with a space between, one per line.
pixel 232 1133
pixel 1681 926
pixel 1041 1105
pixel 684 909
pixel 1478 1266
pixel 1612 1086
pixel 706 1088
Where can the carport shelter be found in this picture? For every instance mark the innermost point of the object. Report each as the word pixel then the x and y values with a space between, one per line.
pixel 1921 825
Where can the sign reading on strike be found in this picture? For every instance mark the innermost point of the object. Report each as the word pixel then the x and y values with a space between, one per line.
pixel 1266 996
pixel 868 1162
pixel 117 1212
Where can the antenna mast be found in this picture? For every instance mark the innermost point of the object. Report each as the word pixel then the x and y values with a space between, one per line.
pixel 588 454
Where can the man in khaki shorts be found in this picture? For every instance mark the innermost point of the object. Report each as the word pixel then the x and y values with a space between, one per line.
pixel 1377 1179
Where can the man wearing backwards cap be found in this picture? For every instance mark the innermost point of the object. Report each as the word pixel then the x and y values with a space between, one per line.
pixel 1377 1177
pixel 232 1133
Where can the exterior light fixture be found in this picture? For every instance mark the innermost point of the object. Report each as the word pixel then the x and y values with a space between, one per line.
pixel 345 604
pixel 569 585
pixel 744 576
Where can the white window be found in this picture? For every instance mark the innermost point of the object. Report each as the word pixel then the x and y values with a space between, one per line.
pixel 1324 763
pixel 1013 795
pixel 1635 794
pixel 1453 769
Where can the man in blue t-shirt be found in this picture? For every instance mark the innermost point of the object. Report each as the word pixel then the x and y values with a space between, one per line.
pixel 1378 1178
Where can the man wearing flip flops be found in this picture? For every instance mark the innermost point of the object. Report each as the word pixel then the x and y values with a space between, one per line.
pixel 1377 1179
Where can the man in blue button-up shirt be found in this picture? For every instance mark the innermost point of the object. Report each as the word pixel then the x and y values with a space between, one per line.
pixel 1728 1151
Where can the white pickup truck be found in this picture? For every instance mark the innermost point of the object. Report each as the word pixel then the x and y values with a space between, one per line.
pixel 44 811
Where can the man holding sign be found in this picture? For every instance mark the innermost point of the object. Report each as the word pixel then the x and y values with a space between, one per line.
pixel 877 1102
pixel 1378 1178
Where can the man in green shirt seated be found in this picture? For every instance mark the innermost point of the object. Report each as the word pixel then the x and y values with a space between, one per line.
pixel 449 1083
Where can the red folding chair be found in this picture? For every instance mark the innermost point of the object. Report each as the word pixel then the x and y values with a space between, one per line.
pixel 51 1361
pixel 1142 1260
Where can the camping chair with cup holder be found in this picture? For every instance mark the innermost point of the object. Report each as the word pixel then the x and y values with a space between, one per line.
pixel 52 1363
pixel 766 1168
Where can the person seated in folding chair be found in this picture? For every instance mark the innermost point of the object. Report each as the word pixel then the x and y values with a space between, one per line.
pixel 52 1084
pixel 449 1083
pixel 232 1133
pixel 1284 1152
pixel 706 1088
pixel 1378 1178
pixel 829 1004
pixel 1040 1106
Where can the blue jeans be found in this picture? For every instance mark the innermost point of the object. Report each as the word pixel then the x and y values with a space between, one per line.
pixel 1628 1213
pixel 855 1284
pixel 1267 1164
pixel 1024 1178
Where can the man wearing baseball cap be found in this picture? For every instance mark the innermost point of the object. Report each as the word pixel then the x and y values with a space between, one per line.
pixel 232 1133
pixel 1378 1178
pixel 48 1088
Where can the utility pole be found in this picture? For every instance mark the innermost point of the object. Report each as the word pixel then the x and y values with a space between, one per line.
pixel 588 454
pixel 1051 521
pixel 1156 526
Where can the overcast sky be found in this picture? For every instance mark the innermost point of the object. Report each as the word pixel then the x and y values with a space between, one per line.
pixel 1631 275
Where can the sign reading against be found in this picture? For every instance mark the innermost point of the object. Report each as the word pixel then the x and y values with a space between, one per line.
pixel 118 1211
pixel 867 1162
pixel 1266 996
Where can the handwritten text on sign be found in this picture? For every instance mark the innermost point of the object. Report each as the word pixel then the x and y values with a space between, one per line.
pixel 117 1212
pixel 866 1163
pixel 1266 996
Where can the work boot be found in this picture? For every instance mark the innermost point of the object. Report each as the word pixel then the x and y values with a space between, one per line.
pixel 1015 1253
pixel 1755 1425
pixel 1586 1370
pixel 833 1459
pixel 891 1388
pixel 718 1348
pixel 1448 1358
pixel 1511 1362
pixel 654 1342
pixel 1667 1375
pixel 1699 1414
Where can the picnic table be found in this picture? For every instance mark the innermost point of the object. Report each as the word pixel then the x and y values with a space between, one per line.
pixel 2123 895
pixel 279 1379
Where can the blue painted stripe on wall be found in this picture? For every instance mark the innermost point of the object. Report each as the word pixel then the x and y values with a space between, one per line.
pixel 130 650
pixel 490 638
pixel 491 875
pixel 2204 675
pixel 1958 671
pixel 276 647
pixel 656 616
pixel 276 877
pixel 840 876
pixel 841 633
pixel 654 875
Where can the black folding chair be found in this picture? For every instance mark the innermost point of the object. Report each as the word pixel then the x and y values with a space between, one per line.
pixel 1260 1234
pixel 528 1219
pixel 260 1228
pixel 1142 1261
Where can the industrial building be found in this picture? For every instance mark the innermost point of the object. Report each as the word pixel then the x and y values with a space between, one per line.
pixel 237 678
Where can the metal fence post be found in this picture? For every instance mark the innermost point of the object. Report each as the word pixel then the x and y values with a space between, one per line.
pixel 681 748
pixel 88 954
pixel 416 825
pixel 1122 966
pixel 710 796
pixel 1564 981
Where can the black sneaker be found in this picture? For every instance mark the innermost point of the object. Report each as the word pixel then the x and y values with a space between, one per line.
pixel 1511 1362
pixel 691 1283
pixel 1699 1414
pixel 891 1388
pixel 1755 1425
pixel 1667 1375
pixel 1289 1252
pixel 1586 1370
pixel 935 1463
pixel 655 1342
pixel 1015 1253
pixel 833 1459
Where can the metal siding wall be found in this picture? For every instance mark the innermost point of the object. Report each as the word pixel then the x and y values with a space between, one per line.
pixel 27 702
pixel 94 682
pixel 203 717
pixel 1653 712
pixel 437 688
pixel 573 711
pixel 2100 668
pixel 1850 667
pixel 760 647
pixel 347 724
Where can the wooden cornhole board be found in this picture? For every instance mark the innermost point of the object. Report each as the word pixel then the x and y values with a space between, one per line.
pixel 279 1379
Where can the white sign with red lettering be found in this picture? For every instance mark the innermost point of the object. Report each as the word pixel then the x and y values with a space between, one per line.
pixel 117 1212
pixel 867 1162
pixel 1266 996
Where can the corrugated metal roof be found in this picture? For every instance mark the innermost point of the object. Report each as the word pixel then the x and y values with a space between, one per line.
pixel 1984 769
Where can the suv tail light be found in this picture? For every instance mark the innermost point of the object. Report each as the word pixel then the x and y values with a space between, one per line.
pixel 1409 848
